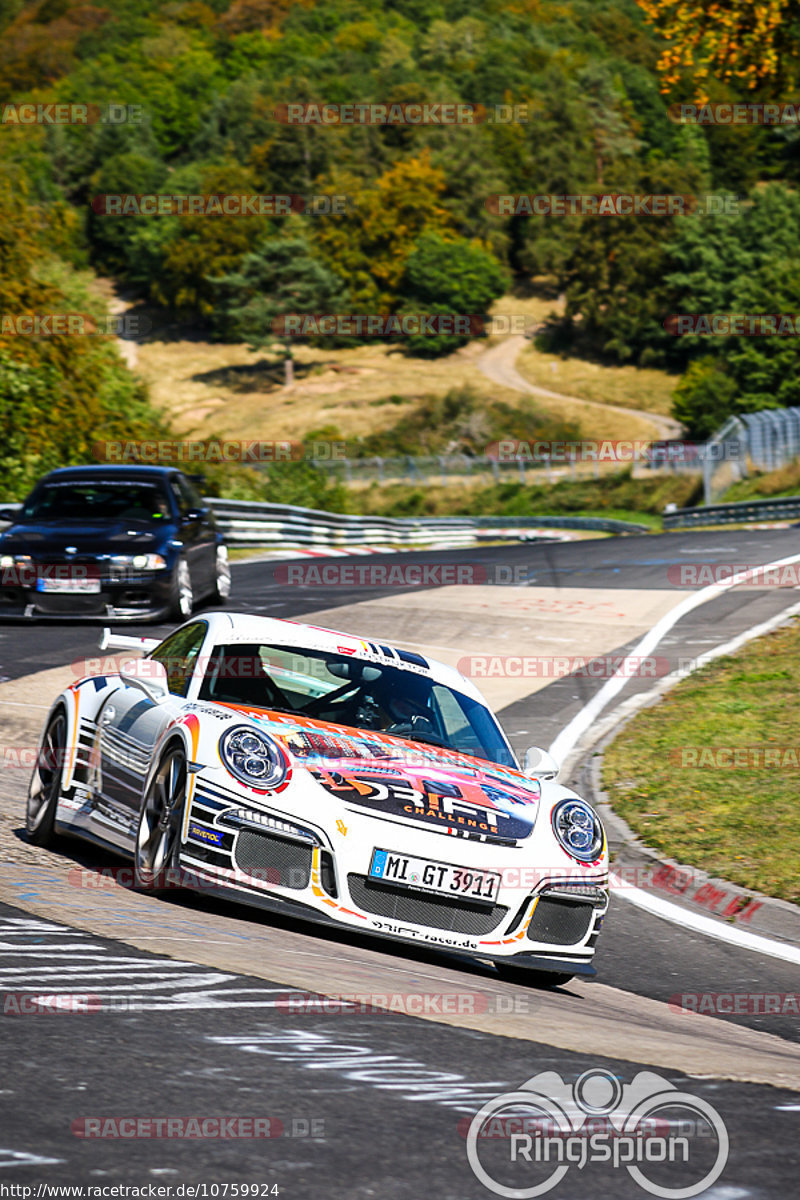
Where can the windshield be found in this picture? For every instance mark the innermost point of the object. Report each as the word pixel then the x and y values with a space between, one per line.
pixel 97 500
pixel 335 687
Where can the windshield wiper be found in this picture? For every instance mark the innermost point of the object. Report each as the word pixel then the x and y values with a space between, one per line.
pixel 432 739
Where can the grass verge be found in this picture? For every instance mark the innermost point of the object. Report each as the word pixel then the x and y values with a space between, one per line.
pixel 615 495
pixel 737 822
pixel 772 484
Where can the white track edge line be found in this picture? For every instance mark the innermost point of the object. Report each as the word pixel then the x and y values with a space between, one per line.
pixel 584 717
pixel 665 909
pixel 706 925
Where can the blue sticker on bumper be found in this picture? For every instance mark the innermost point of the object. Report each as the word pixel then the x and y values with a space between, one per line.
pixel 201 834
pixel 378 865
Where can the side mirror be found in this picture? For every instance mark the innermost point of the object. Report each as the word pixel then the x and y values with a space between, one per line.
pixel 7 514
pixel 354 669
pixel 539 764
pixel 194 514
pixel 149 675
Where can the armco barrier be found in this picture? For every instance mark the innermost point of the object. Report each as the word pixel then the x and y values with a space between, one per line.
pixel 254 523
pixel 741 512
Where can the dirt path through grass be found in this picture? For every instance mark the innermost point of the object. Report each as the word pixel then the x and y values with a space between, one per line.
pixel 498 363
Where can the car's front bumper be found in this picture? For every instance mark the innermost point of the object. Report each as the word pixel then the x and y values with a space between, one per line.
pixel 143 597
pixel 552 925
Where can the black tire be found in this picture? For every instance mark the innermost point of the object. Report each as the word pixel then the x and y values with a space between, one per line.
pixel 222 576
pixel 182 600
pixel 45 785
pixel 528 977
pixel 156 863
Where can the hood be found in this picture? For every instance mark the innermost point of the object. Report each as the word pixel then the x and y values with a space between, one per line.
pixel 95 537
pixel 441 789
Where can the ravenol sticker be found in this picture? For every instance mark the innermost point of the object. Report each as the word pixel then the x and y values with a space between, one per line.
pixel 205 835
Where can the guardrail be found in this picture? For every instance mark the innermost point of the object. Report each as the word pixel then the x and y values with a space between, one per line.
pixel 256 523
pixel 740 512
pixel 253 523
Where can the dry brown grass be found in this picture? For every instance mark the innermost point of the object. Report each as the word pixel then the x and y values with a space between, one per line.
pixel 222 389
pixel 629 387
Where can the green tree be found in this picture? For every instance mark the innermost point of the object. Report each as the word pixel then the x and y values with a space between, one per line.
pixel 449 277
pixel 279 279
pixel 743 262
pixel 705 397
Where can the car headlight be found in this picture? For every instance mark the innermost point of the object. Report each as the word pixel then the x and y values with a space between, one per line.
pixel 7 561
pixel 578 829
pixel 252 757
pixel 141 562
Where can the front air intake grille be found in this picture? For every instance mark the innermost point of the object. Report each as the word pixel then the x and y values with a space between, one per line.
pixel 74 604
pixel 560 922
pixel 435 911
pixel 273 859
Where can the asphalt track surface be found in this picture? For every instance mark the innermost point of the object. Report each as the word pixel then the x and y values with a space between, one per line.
pixel 377 1133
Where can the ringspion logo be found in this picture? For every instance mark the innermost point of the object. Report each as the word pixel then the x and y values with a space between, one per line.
pixel 523 1143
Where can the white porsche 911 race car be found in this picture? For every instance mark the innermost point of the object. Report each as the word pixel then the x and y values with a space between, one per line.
pixel 343 780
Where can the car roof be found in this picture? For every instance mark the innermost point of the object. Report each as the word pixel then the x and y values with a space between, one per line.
pixel 125 470
pixel 227 628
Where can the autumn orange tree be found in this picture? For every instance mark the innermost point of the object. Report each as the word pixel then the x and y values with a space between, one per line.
pixel 736 41
pixel 388 216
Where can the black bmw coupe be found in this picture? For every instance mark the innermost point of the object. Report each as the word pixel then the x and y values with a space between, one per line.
pixel 121 542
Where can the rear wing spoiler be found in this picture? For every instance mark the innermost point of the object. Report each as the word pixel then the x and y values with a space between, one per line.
pixel 119 641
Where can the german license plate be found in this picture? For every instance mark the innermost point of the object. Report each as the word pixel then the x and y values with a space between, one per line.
pixel 424 874
pixel 67 586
